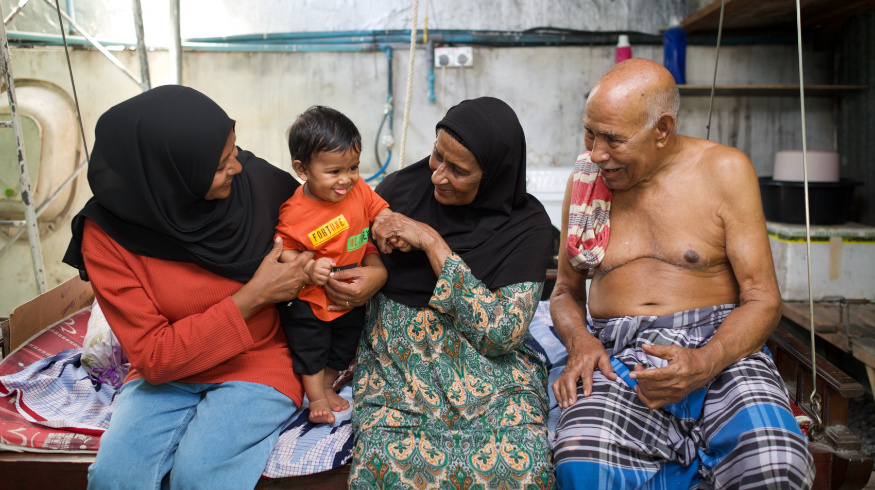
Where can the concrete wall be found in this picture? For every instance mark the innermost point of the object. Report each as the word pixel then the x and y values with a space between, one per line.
pixel 112 19
pixel 546 86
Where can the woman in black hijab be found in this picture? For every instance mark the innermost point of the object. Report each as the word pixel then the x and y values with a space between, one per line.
pixel 446 388
pixel 177 245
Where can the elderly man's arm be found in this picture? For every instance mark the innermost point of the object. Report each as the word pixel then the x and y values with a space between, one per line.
pixel 568 309
pixel 746 329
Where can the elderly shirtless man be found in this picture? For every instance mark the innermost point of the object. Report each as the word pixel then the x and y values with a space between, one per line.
pixel 670 386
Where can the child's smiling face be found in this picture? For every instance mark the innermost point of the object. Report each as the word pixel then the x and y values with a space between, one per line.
pixel 329 175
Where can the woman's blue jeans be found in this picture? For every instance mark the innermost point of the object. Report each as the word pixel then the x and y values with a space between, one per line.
pixel 214 436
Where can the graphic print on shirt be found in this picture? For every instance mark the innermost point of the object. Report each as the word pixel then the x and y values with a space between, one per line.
pixel 328 230
pixel 356 242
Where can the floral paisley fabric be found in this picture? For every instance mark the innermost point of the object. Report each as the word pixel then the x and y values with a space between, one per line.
pixel 449 396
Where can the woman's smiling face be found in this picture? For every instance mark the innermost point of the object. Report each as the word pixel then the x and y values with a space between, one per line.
pixel 456 174
pixel 228 167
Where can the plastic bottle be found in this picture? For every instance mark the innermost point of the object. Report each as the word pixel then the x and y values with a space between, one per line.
pixel 674 42
pixel 624 49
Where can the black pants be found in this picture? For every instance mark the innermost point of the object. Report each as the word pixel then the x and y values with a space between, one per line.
pixel 316 343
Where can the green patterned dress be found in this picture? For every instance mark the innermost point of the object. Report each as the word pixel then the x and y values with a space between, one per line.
pixel 450 396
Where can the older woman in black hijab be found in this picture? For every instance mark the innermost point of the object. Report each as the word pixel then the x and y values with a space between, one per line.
pixel 177 245
pixel 446 389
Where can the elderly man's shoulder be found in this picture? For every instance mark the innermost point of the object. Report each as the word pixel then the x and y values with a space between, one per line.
pixel 724 164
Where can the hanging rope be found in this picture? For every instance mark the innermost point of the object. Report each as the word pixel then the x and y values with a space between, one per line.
pixel 714 81
pixel 72 82
pixel 409 86
pixel 814 398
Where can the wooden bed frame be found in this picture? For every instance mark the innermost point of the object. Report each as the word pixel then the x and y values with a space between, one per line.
pixel 839 465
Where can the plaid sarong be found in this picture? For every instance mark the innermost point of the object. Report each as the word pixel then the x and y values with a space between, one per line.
pixel 737 432
pixel 589 223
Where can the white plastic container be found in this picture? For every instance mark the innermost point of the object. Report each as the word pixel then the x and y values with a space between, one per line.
pixel 52 147
pixel 823 166
pixel 843 258
pixel 548 185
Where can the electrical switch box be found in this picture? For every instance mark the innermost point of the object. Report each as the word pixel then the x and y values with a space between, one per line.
pixel 457 57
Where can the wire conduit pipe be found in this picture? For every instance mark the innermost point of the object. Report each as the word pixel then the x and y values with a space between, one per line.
pixel 388 113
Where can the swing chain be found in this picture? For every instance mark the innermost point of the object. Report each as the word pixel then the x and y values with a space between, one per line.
pixel 815 430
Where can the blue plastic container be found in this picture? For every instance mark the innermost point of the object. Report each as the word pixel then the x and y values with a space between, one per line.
pixel 674 42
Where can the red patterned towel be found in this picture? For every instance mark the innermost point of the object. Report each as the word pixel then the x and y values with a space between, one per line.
pixel 589 222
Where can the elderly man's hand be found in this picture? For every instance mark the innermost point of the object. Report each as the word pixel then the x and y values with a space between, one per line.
pixel 585 354
pixel 687 371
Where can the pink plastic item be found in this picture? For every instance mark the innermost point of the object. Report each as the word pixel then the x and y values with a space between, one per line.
pixel 624 49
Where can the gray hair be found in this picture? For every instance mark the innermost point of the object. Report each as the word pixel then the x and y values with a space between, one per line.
pixel 662 102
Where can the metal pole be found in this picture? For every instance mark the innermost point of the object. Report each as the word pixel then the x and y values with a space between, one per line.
pixel 15 11
pixel 26 195
pixel 175 44
pixel 14 238
pixel 814 398
pixel 714 82
pixel 115 61
pixel 145 80
pixel 42 207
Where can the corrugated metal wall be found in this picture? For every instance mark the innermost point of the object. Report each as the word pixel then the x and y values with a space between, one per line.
pixel 855 128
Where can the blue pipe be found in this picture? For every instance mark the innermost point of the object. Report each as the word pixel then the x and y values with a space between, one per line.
pixel 352 41
pixel 429 60
pixel 52 39
pixel 517 38
pixel 382 169
pixel 390 97
pixel 280 48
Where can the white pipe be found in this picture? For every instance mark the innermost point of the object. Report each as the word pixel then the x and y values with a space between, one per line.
pixel 175 44
pixel 145 81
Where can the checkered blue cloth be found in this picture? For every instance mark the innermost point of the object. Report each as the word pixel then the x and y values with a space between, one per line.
pixel 57 392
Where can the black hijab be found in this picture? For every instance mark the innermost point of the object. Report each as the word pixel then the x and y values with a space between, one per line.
pixel 154 159
pixel 504 235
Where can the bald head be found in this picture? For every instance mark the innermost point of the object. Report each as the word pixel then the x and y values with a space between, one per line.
pixel 640 89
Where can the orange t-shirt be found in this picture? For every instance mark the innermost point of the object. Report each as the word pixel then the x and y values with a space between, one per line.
pixel 337 230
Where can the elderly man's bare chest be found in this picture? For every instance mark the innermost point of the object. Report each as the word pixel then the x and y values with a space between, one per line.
pixel 679 227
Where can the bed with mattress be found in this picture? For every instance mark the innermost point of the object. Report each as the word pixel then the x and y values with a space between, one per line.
pixel 52 413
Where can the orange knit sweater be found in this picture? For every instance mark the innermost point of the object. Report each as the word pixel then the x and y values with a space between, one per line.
pixel 177 321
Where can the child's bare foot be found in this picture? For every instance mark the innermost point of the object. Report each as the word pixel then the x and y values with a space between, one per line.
pixel 337 402
pixel 320 412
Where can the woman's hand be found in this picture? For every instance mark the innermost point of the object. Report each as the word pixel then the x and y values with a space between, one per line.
pixel 349 288
pixel 397 231
pixel 273 282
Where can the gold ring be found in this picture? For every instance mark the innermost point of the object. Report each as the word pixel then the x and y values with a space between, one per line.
pixel 347 304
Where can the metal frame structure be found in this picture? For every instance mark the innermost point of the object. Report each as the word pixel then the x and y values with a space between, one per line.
pixel 29 224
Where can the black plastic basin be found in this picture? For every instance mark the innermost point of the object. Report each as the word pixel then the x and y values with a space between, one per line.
pixel 784 202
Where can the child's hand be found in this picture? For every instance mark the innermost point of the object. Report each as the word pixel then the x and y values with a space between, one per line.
pixel 320 271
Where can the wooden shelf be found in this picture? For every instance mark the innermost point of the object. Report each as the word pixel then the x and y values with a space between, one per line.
pixel 758 14
pixel 770 90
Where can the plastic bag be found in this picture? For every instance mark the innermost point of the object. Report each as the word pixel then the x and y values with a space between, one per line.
pixel 102 355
